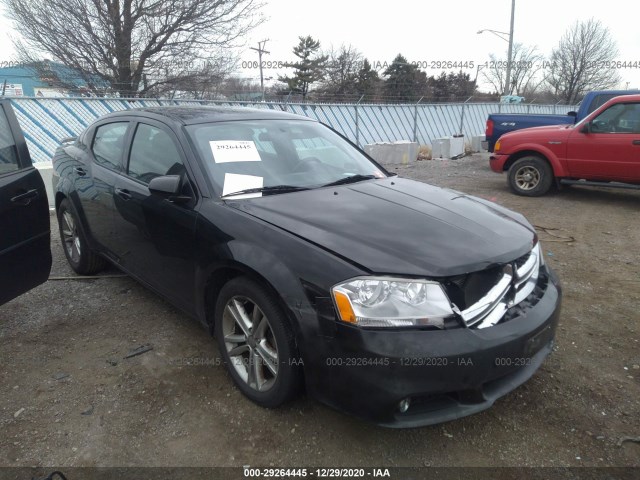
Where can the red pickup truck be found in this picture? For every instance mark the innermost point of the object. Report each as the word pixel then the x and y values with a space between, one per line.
pixel 601 150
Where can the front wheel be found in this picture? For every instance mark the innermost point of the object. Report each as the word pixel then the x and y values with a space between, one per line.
pixel 530 176
pixel 257 343
pixel 80 257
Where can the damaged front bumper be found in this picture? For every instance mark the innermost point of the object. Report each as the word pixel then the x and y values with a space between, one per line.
pixel 411 378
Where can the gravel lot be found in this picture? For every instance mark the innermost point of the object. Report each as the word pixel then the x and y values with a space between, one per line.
pixel 69 398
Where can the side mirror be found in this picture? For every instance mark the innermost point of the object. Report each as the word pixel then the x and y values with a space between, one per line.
pixel 165 185
pixel 586 128
pixel 168 186
pixel 572 114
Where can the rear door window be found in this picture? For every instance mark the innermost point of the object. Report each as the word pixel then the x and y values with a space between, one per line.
pixel 108 144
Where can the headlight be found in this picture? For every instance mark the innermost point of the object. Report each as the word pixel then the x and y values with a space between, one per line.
pixel 391 302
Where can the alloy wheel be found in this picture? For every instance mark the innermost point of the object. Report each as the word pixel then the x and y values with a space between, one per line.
pixel 250 343
pixel 527 177
pixel 70 237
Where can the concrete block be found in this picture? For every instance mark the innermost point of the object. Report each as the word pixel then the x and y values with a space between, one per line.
pixel 457 146
pixel 476 143
pixel 46 172
pixel 396 153
pixel 441 148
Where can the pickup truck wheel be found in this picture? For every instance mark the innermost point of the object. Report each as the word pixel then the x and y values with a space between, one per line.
pixel 530 176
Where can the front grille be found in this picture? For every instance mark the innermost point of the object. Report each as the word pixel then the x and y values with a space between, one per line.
pixel 483 298
pixel 522 260
pixel 466 290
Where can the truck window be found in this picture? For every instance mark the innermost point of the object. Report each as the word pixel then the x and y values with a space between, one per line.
pixel 600 100
pixel 618 118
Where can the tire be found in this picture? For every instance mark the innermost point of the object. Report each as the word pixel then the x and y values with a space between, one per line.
pixel 530 176
pixel 76 248
pixel 250 323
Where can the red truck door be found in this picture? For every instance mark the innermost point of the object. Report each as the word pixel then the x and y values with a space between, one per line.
pixel 607 147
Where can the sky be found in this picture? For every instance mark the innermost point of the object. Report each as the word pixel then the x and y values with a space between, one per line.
pixel 427 31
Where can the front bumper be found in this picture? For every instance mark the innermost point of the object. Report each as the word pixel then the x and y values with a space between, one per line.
pixel 497 161
pixel 447 374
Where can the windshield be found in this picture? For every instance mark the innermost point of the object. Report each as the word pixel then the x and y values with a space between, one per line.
pixel 277 155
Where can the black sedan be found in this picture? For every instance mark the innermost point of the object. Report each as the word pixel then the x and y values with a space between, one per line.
pixel 312 265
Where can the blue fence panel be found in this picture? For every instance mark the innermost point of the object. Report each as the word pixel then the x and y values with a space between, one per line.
pixel 46 121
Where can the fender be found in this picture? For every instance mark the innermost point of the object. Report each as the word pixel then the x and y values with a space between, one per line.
pixel 301 290
pixel 559 168
pixel 66 189
pixel 253 260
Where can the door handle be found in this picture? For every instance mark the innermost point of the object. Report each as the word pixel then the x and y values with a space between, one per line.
pixel 124 194
pixel 26 197
pixel 635 142
pixel 80 171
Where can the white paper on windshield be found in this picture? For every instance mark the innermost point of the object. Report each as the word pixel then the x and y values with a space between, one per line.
pixel 234 182
pixel 234 151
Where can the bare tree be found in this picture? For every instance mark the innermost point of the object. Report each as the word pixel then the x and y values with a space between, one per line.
pixel 204 82
pixel 124 41
pixel 238 88
pixel 341 72
pixel 526 66
pixel 581 61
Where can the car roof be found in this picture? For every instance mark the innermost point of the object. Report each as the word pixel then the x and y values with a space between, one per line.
pixel 190 115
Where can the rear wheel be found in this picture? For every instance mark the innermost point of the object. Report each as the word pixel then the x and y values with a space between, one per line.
pixel 530 176
pixel 82 259
pixel 257 343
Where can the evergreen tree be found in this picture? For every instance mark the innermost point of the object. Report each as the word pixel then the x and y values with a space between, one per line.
pixel 367 81
pixel 452 87
pixel 404 82
pixel 309 69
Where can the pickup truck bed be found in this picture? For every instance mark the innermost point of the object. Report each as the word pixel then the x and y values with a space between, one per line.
pixel 499 124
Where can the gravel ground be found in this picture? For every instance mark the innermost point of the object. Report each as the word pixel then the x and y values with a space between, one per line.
pixel 69 398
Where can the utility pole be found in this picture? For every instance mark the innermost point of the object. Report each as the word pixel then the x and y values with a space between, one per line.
pixel 260 51
pixel 507 85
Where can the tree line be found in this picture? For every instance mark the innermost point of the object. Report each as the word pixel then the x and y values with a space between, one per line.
pixel 342 74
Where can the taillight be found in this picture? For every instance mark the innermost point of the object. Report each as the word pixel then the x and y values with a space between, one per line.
pixel 489 131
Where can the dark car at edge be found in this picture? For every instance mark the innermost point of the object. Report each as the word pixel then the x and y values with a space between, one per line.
pixel 396 301
pixel 25 253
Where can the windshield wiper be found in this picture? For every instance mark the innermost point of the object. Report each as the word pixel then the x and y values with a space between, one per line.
pixel 350 179
pixel 270 189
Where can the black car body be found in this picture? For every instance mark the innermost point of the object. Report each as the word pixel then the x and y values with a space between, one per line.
pixel 182 235
pixel 25 254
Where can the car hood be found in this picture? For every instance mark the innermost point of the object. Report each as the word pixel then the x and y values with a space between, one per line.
pixel 399 226
pixel 559 131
